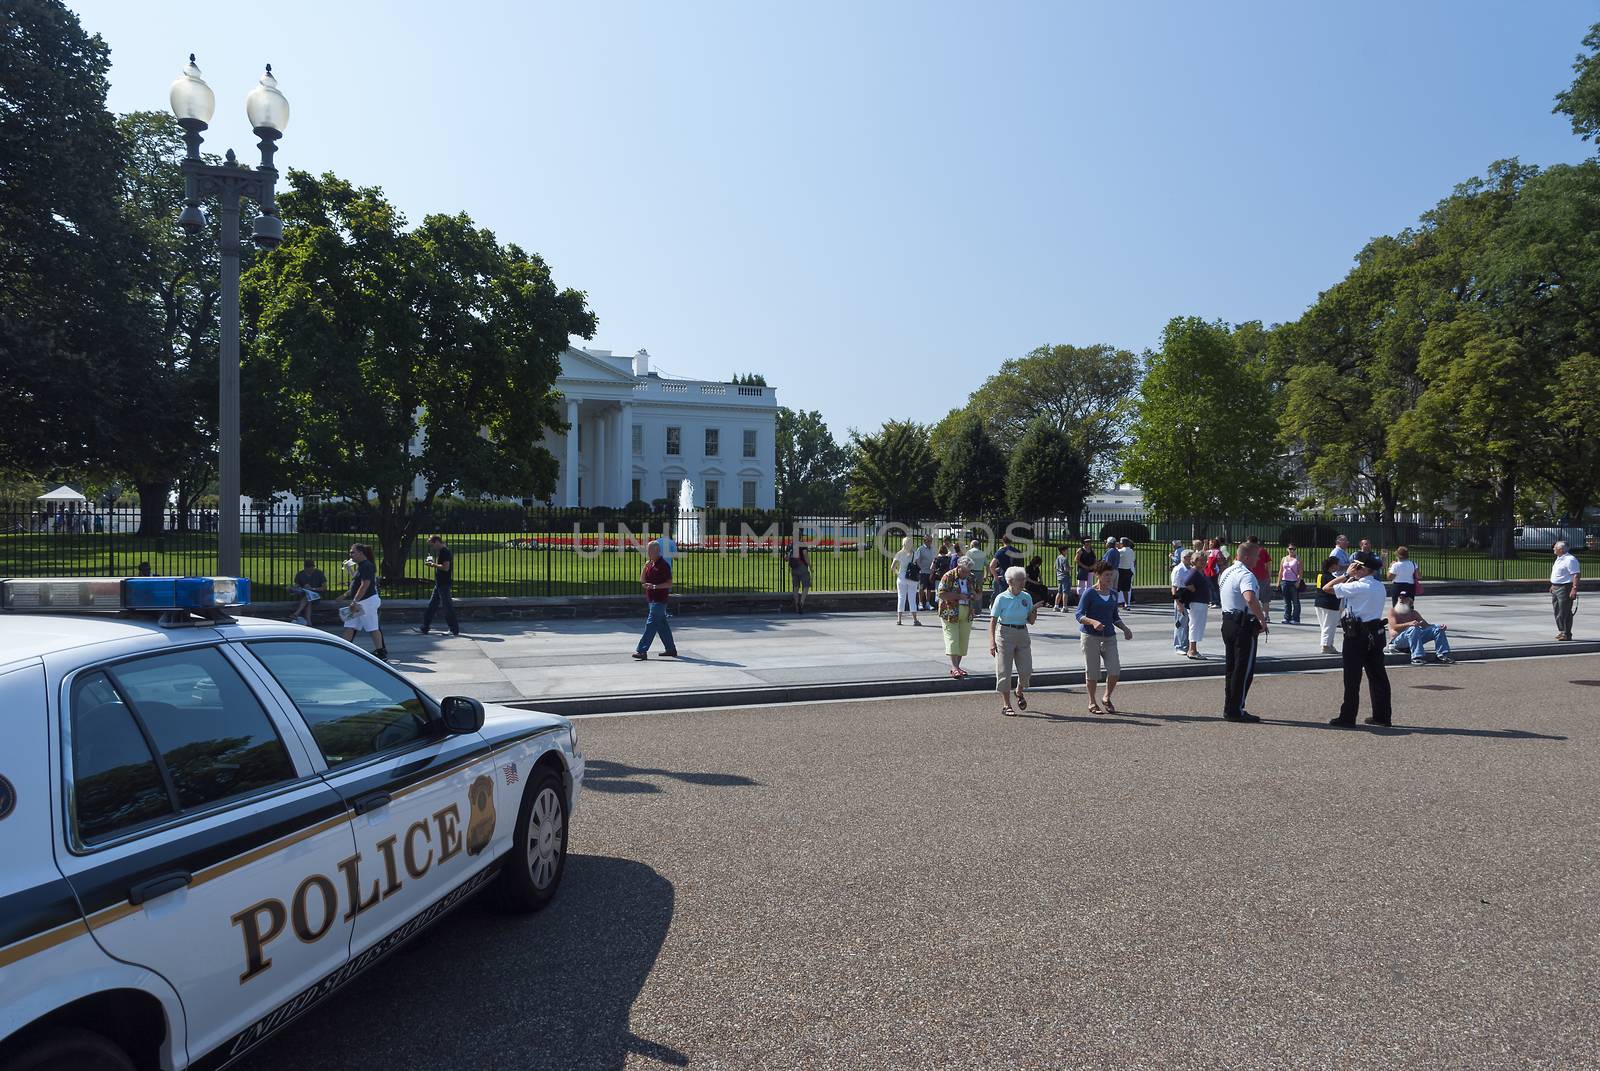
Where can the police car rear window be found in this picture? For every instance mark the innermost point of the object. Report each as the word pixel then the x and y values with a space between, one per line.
pixel 115 782
pixel 167 733
pixel 353 708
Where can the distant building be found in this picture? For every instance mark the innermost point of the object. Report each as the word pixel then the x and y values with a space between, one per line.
pixel 634 435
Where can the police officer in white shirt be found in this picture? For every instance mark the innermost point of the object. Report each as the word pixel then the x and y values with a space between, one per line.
pixel 1244 618
pixel 1364 638
pixel 1564 590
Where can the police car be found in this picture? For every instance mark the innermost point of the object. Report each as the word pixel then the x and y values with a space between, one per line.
pixel 210 823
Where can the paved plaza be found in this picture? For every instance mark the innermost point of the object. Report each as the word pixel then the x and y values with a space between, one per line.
pixel 919 883
pixel 512 661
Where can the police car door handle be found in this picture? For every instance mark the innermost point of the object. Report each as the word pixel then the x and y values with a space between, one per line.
pixel 370 802
pixel 159 885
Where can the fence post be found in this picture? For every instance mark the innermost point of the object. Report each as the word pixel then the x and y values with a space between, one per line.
pixel 548 590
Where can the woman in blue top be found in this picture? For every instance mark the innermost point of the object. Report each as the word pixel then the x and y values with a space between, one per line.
pixel 1013 611
pixel 1099 621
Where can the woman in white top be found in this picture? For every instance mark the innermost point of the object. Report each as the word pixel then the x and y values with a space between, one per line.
pixel 1405 574
pixel 907 577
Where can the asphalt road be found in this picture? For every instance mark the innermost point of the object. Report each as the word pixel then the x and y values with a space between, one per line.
pixel 920 883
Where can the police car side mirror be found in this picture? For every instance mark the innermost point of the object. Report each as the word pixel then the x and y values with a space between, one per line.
pixel 461 714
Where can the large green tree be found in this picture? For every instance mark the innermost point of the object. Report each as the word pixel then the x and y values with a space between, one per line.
pixel 970 483
pixel 812 467
pixel 892 472
pixel 1204 437
pixel 417 362
pixel 1351 372
pixel 71 334
pixel 178 282
pixel 1088 391
pixel 1047 476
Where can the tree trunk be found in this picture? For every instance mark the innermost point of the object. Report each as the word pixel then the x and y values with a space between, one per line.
pixel 152 506
pixel 1390 502
pixel 1505 513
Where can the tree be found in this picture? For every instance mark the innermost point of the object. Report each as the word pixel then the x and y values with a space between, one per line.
pixel 811 466
pixel 749 379
pixel 971 481
pixel 1581 101
pixel 179 284
pixel 1572 473
pixel 1088 391
pixel 1477 412
pixel 1203 439
pixel 70 333
pixel 418 363
pixel 1047 477
pixel 892 472
pixel 1351 374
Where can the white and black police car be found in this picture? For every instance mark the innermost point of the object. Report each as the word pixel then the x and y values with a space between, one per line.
pixel 210 823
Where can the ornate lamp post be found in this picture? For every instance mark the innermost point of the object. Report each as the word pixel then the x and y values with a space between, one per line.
pixel 268 112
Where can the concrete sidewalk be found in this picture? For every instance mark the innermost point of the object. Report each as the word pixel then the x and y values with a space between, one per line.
pixel 526 661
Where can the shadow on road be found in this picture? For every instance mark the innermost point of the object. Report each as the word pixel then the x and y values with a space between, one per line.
pixel 484 989
pixel 604 775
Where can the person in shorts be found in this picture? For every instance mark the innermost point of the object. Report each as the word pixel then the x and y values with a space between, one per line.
pixel 799 575
pixel 1098 622
pixel 361 612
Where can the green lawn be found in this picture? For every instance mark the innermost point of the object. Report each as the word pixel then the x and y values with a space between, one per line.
pixel 485 566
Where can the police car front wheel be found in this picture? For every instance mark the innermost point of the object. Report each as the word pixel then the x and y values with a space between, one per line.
pixel 61 1050
pixel 538 853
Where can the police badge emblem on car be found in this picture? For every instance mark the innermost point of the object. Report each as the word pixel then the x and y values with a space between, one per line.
pixel 480 825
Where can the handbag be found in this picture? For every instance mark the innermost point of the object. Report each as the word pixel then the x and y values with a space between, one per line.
pixel 912 571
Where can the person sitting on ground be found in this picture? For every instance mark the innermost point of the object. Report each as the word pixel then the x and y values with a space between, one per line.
pixel 1409 633
pixel 1035 585
pixel 310 586
pixel 144 569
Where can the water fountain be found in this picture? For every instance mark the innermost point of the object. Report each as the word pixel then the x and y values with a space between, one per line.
pixel 688 518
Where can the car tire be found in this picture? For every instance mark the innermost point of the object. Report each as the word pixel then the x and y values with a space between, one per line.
pixel 69 1050
pixel 538 855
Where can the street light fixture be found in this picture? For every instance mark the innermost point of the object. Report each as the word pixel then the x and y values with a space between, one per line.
pixel 268 111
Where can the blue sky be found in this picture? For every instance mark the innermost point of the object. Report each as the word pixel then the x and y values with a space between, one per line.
pixel 876 203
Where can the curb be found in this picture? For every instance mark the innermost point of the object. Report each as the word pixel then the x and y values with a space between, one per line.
pixel 577 706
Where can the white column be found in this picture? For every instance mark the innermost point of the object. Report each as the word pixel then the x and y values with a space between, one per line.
pixel 597 463
pixel 569 474
pixel 624 453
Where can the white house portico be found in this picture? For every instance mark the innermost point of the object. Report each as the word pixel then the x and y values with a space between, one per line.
pixel 633 435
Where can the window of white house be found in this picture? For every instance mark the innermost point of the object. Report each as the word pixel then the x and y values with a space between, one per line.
pixel 636 484
pixel 749 494
pixel 749 442
pixel 674 441
pixel 673 488
pixel 712 435
pixel 711 494
pixel 638 441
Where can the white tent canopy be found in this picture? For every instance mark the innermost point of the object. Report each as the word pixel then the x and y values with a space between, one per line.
pixel 62 494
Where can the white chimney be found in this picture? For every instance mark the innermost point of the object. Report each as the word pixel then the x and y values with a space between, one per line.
pixel 641 363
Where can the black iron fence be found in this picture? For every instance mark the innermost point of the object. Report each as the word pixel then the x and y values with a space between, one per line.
pixel 509 550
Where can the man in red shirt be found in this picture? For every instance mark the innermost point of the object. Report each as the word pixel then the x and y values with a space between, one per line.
pixel 656 577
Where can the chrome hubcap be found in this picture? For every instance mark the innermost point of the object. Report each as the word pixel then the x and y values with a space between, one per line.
pixel 544 838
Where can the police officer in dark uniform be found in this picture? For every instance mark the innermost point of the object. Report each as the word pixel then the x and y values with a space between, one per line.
pixel 1365 636
pixel 1244 620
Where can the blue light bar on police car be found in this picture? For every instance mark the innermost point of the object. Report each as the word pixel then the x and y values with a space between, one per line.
pixel 134 593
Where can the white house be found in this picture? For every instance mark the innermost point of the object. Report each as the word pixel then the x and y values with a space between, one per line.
pixel 633 435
